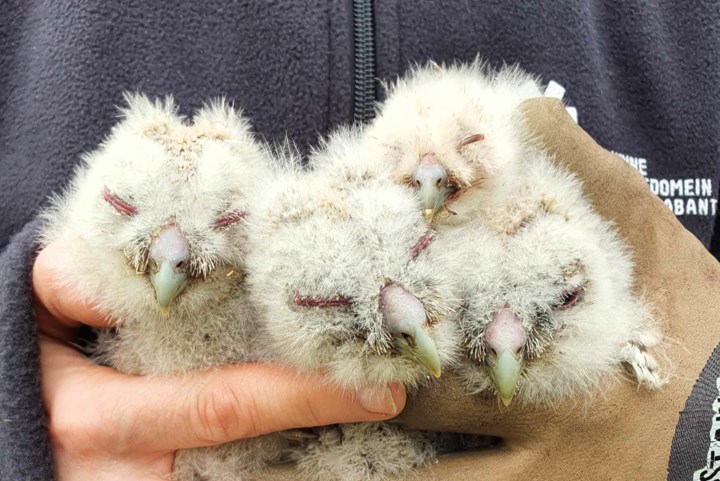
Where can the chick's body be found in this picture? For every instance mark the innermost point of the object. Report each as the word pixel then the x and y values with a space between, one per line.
pixel 338 269
pixel 550 314
pixel 156 218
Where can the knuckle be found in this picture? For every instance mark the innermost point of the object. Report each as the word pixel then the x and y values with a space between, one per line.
pixel 310 414
pixel 223 413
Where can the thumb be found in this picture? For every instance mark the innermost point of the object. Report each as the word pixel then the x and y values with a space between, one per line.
pixel 245 401
pixel 163 413
pixel 60 309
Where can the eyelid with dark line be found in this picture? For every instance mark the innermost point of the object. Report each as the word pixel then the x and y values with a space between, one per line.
pixel 569 298
pixel 470 139
pixel 314 301
pixel 229 219
pixel 422 244
pixel 118 204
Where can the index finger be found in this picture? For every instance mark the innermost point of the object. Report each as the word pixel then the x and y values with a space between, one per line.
pixel 60 309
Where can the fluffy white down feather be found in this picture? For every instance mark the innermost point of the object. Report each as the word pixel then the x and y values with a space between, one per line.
pixel 170 171
pixel 366 451
pixel 522 238
pixel 433 108
pixel 543 244
pixel 342 234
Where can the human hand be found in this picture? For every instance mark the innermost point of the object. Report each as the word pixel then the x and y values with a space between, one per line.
pixel 106 425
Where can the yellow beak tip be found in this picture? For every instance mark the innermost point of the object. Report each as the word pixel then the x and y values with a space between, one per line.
pixel 429 215
pixel 165 311
pixel 506 401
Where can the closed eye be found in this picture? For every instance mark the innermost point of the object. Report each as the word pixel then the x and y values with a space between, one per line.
pixel 229 219
pixel 313 301
pixel 422 244
pixel 568 299
pixel 470 139
pixel 118 204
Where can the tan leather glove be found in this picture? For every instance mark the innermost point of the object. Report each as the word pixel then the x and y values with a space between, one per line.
pixel 627 434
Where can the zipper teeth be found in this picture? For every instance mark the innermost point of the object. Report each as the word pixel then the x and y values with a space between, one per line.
pixel 364 44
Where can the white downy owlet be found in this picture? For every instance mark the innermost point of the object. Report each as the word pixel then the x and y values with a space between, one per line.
pixel 549 310
pixel 338 269
pixel 156 220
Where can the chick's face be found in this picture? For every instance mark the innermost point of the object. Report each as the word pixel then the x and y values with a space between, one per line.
pixel 447 131
pixel 161 208
pixel 553 320
pixel 346 285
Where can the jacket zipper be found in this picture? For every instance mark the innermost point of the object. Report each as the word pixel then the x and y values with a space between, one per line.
pixel 364 61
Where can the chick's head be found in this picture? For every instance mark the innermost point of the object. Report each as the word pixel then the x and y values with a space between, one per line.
pixel 343 280
pixel 452 130
pixel 156 215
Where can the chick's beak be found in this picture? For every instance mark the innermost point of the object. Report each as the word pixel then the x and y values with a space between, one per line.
pixel 505 338
pixel 431 180
pixel 405 317
pixel 505 371
pixel 169 255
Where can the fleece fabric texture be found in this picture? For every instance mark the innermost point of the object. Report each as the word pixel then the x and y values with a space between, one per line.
pixel 24 452
pixel 696 447
pixel 65 65
pixel 642 77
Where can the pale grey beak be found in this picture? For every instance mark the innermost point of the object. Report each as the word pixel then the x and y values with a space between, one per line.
pixel 505 370
pixel 431 180
pixel 505 338
pixel 406 319
pixel 420 347
pixel 169 256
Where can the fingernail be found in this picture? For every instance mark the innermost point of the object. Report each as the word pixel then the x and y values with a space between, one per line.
pixel 378 400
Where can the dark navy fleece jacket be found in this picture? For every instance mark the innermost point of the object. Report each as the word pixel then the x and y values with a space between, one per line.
pixel 642 77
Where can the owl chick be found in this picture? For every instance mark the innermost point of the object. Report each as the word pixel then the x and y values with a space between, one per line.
pixel 451 133
pixel 549 312
pixel 156 217
pixel 338 270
